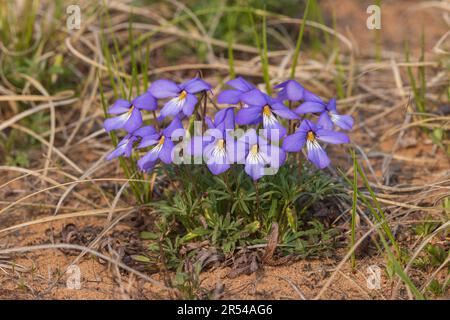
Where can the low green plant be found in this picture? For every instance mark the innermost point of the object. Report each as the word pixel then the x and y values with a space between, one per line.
pixel 224 211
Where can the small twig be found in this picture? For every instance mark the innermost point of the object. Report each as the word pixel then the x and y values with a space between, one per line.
pixel 293 285
pixel 255 182
pixel 155 120
pixel 81 248
pixel 212 102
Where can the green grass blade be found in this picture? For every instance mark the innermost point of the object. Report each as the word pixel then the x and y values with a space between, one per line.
pixel 391 257
pixel 231 23
pixel 263 51
pixel 145 66
pixel 381 217
pixel 134 74
pixel 299 40
pixel 264 57
pixel 107 54
pixel 354 202
pixel 411 77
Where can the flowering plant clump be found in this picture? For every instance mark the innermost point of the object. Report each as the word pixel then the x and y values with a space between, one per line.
pixel 213 164
pixel 272 127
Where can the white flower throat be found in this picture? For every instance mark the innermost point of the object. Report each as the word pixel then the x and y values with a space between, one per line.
pixel 254 156
pixel 218 153
pixel 175 104
pixel 160 144
pixel 268 118
pixel 311 141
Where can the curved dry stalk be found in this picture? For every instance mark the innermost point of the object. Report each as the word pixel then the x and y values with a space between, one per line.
pixel 437 48
pixel 418 123
pixel 355 284
pixel 434 274
pixel 344 260
pixel 85 106
pixel 199 25
pixel 367 161
pixel 93 252
pixel 91 62
pixel 19 177
pixel 183 34
pixel 431 4
pixel 317 25
pixel 64 95
pixel 47 179
pixel 14 53
pixel 39 205
pixel 117 197
pixel 142 11
pixel 435 185
pixel 64 216
pixel 96 166
pixel 293 286
pixel 62 185
pixel 51 142
pixel 26 113
pixel 46 143
pixel 105 230
pixel 408 206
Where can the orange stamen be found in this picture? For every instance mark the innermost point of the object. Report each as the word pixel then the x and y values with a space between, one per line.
pixel 183 95
pixel 267 111
pixel 220 143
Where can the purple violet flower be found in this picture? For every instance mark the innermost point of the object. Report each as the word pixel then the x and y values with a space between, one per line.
pixel 258 154
pixel 240 86
pixel 124 147
pixel 330 116
pixel 263 108
pixel 219 152
pixel 182 96
pixel 161 142
pixel 216 146
pixel 293 91
pixel 130 117
pixel 312 104
pixel 309 133
pixel 290 90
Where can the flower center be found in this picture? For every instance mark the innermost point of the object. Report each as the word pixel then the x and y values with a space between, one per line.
pixel 131 109
pixel 311 136
pixel 254 149
pixel 220 144
pixel 161 140
pixel 183 95
pixel 267 111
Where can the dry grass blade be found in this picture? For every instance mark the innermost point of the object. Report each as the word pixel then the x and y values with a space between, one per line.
pixel 45 142
pixel 271 244
pixel 37 174
pixel 64 216
pixel 93 252
pixel 96 166
pixel 28 112
pixel 51 142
